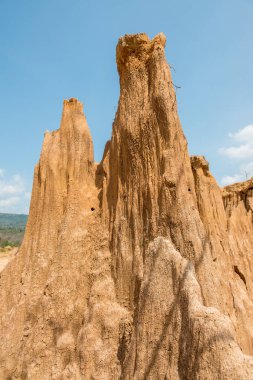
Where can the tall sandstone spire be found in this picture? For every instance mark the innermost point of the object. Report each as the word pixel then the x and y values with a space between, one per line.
pixel 137 267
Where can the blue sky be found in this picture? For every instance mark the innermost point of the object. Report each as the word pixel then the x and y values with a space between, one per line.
pixel 51 50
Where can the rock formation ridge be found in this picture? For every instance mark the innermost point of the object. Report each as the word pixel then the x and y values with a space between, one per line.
pixel 138 267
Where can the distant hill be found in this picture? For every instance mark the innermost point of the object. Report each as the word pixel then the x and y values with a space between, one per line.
pixel 13 220
pixel 12 228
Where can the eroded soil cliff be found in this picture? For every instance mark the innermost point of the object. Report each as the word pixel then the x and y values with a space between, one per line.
pixel 138 267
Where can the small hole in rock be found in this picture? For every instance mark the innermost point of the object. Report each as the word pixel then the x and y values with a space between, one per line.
pixel 92 209
pixel 215 259
pixel 189 189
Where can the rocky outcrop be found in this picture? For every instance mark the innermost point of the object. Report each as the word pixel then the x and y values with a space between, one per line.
pixel 238 202
pixel 57 296
pixel 133 268
pixel 236 298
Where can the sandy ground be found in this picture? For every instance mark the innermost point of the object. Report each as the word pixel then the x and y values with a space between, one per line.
pixel 6 255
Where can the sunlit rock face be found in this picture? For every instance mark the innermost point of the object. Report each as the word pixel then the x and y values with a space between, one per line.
pixel 137 267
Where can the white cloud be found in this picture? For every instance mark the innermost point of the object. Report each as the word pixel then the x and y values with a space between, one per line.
pixel 242 149
pixel 245 134
pixel 6 203
pixel 14 196
pixel 245 149
pixel 245 172
pixel 228 180
pixel 13 186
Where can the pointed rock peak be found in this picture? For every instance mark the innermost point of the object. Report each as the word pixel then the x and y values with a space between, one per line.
pixel 74 128
pixel 137 47
pixel 199 162
pixel 72 104
pixel 201 165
